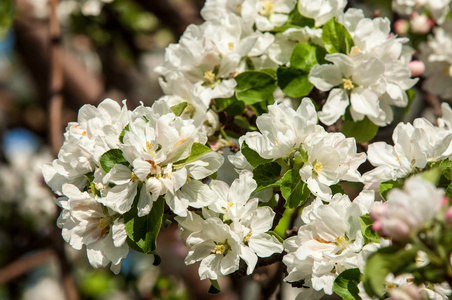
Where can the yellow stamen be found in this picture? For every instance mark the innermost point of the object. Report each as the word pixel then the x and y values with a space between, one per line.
pixel 276 143
pixel 267 9
pixel 104 225
pixel 231 46
pixel 219 249
pixel 180 142
pixel 238 8
pixel 355 50
pixel 84 133
pixel 348 84
pixel 247 237
pixel 209 76
pixel 317 167
pixel 134 177
pixel 230 204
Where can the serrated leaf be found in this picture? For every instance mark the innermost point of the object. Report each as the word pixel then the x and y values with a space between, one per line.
pixel 363 131
pixel 366 228
pixel 178 109
pixel 267 175
pixel 254 86
pixel 252 156
pixel 386 260
pixel 214 287
pixel 304 56
pixel 197 149
pixel 143 231
pixel 112 157
pixel 294 82
pixel 346 284
pixel 293 189
pixel 336 38
pixel 385 187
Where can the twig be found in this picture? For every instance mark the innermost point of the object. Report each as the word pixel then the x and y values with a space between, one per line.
pixel 25 264
pixel 279 210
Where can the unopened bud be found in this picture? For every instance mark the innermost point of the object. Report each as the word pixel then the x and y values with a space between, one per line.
pixel 401 27
pixel 448 217
pixel 420 24
pixel 417 68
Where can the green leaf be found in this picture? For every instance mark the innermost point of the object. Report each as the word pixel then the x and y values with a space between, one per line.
pixel 293 189
pixel 110 158
pixel 304 56
pixel 123 132
pixel 197 149
pixel 214 287
pixel 363 131
pixel 410 94
pixel 385 187
pixel 244 123
pixel 346 284
pixel 386 260
pixel 294 82
pixel 252 156
pixel 366 228
pixel 336 38
pixel 178 109
pixel 267 175
pixel 432 175
pixel 337 188
pixel 143 231
pixel 254 86
pixel 295 20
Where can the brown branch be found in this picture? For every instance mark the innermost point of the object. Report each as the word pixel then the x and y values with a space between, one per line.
pixel 25 264
pixel 33 43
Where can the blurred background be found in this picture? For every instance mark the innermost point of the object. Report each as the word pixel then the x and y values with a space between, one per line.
pixel 105 49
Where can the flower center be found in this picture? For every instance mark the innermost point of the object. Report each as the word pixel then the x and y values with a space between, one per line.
pixel 348 84
pixel 238 8
pixel 267 9
pixel 209 77
pixel 317 167
pixel 342 242
pixel 247 237
pixel 104 225
pixel 221 248
pixel 231 46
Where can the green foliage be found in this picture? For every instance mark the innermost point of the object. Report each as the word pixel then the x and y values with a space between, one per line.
pixel 304 56
pixel 214 287
pixel 370 236
pixel 336 38
pixel 7 14
pixel 178 109
pixel 112 157
pixel 293 189
pixel 255 86
pixel 346 284
pixel 197 149
pixel 252 156
pixel 363 131
pixel 295 20
pixel 294 82
pixel 243 122
pixel 123 132
pixel 385 187
pixel 143 231
pixel 232 106
pixel 267 175
pixel 386 260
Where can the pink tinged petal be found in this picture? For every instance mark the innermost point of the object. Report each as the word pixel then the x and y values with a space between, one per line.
pixel 145 203
pixel 325 77
pixel 334 107
pixel 249 257
pixel 365 101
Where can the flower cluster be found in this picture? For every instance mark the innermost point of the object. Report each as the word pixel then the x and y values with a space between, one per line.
pixel 244 78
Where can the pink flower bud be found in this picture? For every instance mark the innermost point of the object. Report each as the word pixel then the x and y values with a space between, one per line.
pixel 417 68
pixel 420 24
pixel 401 27
pixel 445 201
